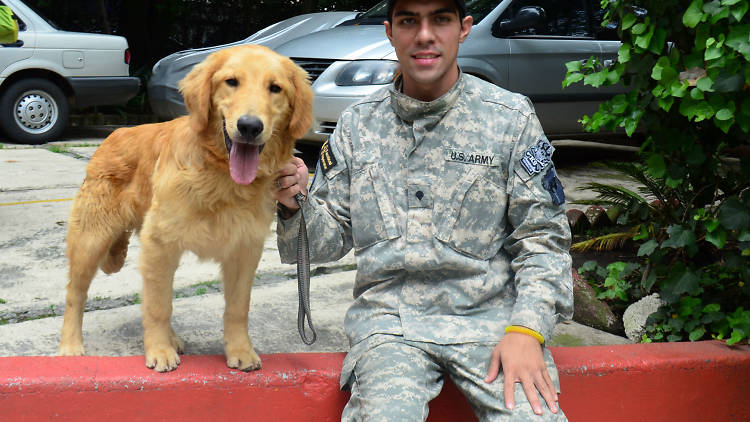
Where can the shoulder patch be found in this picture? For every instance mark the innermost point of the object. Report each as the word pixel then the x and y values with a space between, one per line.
pixel 552 184
pixel 537 157
pixel 327 159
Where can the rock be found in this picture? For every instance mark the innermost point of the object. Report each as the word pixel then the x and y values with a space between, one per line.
pixel 598 216
pixel 577 221
pixel 634 318
pixel 590 311
pixel 573 334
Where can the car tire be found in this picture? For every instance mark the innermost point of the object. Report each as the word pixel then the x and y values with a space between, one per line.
pixel 33 111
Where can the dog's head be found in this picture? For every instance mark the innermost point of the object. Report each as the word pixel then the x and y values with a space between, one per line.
pixel 258 100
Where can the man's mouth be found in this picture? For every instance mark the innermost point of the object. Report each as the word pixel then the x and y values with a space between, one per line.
pixel 426 59
pixel 243 159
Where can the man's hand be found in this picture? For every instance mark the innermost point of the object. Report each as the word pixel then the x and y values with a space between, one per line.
pixel 291 180
pixel 522 361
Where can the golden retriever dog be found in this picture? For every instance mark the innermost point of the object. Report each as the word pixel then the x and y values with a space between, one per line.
pixel 203 183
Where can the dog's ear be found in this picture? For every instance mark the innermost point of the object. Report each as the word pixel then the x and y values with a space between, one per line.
pixel 302 103
pixel 196 89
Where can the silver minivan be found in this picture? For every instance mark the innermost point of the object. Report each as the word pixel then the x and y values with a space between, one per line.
pixel 520 45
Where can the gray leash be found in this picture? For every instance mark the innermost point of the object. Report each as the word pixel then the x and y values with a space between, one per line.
pixel 303 277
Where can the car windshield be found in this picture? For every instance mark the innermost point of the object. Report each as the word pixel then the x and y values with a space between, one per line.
pixel 478 9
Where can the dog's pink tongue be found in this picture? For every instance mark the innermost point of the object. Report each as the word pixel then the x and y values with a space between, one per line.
pixel 243 162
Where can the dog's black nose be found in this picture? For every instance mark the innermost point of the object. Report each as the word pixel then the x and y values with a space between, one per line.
pixel 249 127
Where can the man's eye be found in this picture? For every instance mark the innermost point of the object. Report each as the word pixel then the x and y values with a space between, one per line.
pixel 407 21
pixel 274 88
pixel 232 82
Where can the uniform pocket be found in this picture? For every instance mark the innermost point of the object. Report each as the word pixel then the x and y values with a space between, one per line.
pixel 373 212
pixel 474 222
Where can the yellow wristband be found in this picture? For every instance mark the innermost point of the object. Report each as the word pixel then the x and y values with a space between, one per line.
pixel 524 330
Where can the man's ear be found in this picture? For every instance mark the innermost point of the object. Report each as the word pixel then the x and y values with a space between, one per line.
pixel 466 24
pixel 388 31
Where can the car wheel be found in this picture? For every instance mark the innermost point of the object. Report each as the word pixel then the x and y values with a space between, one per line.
pixel 33 111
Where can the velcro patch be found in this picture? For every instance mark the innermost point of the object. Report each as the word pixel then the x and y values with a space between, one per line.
pixel 537 157
pixel 478 158
pixel 552 184
pixel 327 159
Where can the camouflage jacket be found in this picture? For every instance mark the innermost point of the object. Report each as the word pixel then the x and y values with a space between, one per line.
pixel 454 212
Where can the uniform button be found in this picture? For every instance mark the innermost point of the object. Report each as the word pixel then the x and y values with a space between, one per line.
pixel 419 194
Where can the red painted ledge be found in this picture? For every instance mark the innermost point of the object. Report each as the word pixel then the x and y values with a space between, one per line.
pixel 703 381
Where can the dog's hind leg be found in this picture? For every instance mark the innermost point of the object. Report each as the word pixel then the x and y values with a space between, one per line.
pixel 238 274
pixel 85 251
pixel 118 251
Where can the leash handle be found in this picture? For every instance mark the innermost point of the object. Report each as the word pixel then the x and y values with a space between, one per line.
pixel 304 315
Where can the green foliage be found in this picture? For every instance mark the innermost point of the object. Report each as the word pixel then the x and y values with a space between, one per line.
pixel 617 284
pixel 687 67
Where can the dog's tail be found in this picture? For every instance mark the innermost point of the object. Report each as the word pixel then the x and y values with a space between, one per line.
pixel 115 257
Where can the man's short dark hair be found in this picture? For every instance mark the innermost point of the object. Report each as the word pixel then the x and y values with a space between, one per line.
pixel 460 7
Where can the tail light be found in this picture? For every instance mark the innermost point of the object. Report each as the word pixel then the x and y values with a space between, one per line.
pixel 127 56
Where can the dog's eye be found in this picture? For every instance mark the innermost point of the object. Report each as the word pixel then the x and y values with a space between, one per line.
pixel 274 88
pixel 232 82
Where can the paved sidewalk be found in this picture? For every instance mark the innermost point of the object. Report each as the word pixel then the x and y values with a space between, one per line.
pixel 36 188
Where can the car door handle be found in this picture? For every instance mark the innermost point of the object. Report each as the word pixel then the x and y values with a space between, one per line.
pixel 605 62
pixel 18 43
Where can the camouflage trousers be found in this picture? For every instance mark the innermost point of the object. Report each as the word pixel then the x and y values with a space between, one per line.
pixel 394 380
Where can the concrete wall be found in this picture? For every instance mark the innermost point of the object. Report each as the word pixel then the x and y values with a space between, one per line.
pixel 702 381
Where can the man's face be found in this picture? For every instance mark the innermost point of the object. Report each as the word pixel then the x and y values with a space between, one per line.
pixel 426 34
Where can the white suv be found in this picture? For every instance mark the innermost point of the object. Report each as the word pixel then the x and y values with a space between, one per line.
pixel 47 71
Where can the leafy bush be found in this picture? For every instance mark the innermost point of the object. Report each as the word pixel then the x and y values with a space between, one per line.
pixel 687 67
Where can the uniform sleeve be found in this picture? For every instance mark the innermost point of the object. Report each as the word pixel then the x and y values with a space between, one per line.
pixel 326 210
pixel 539 242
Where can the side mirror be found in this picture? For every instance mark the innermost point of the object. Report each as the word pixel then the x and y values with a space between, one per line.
pixel 526 17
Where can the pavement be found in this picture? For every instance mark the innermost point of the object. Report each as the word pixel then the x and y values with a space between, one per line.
pixel 37 185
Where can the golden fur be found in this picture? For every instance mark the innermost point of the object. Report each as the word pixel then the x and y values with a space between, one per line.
pixel 171 183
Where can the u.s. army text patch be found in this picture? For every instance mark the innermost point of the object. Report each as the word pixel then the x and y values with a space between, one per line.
pixel 327 159
pixel 478 158
pixel 537 157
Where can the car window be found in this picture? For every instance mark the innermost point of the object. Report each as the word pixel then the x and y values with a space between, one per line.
pixel 21 24
pixel 560 18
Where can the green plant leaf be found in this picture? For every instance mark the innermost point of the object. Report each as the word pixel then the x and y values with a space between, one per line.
pixel 724 114
pixel 693 14
pixel 718 238
pixel 656 165
pixel 679 237
pixel 734 215
pixel 648 248
pixel 572 78
pixel 697 334
pixel 627 21
pixel 738 10
pixel 595 79
pixel 711 307
pixel 705 84
pixel 623 54
pixel 638 29
pixel 737 336
pixel 573 66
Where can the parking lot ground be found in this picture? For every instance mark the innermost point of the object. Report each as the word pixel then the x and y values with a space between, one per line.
pixel 37 185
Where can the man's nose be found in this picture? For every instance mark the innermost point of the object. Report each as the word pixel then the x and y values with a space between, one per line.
pixel 426 32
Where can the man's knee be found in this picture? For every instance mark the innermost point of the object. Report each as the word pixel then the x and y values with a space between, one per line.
pixel 393 381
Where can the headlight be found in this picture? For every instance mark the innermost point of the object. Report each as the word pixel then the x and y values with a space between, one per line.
pixel 367 72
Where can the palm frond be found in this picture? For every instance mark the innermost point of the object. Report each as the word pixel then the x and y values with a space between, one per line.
pixel 615 195
pixel 607 242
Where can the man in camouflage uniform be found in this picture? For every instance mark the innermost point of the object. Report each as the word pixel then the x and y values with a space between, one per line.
pixel 444 186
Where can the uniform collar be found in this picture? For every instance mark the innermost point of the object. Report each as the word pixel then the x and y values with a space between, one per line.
pixel 410 109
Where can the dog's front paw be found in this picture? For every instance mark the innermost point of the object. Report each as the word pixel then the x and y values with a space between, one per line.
pixel 71 350
pixel 244 360
pixel 162 359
